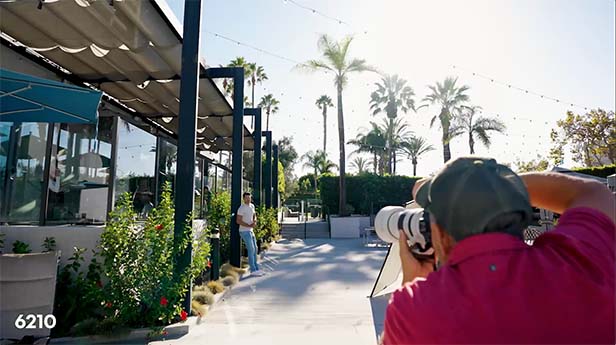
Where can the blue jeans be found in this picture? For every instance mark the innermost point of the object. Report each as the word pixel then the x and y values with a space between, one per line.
pixel 251 246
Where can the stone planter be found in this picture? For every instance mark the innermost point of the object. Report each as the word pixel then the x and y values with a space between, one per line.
pixel 345 227
pixel 28 286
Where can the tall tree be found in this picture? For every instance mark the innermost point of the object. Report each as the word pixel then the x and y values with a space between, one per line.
pixel 591 137
pixel 477 127
pixel 391 95
pixel 257 75
pixel 414 148
pixel 286 153
pixel 270 104
pixel 361 164
pixel 449 97
pixel 539 164
pixel 372 142
pixel 323 103
pixel 239 61
pixel 336 60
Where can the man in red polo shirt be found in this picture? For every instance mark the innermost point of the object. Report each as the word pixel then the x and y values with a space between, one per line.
pixel 491 287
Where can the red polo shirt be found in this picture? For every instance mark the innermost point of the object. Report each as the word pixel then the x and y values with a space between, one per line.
pixel 496 289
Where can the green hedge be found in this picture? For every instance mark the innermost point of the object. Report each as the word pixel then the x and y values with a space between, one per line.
pixel 602 171
pixel 366 193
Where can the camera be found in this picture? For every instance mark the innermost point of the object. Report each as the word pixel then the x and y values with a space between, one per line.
pixel 413 220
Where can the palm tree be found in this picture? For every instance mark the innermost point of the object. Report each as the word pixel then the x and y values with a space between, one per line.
pixel 239 61
pixel 477 127
pixel 372 142
pixel 257 76
pixel 319 162
pixel 392 94
pixel 415 147
pixel 323 102
pixel 449 97
pixel 270 104
pixel 337 61
pixel 396 132
pixel 361 164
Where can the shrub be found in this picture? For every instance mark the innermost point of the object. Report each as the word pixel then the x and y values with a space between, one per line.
pixel 267 224
pixel 204 297
pixel 366 193
pixel 20 247
pixel 198 309
pixel 215 287
pixel 219 217
pixel 228 270
pixel 229 280
pixel 139 262
pixel 602 171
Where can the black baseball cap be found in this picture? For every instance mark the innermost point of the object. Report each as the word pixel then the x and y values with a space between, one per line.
pixel 469 192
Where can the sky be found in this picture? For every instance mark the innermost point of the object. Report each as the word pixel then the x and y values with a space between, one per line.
pixel 561 49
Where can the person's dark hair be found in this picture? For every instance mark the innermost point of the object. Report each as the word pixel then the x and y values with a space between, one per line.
pixel 512 223
pixel 245 193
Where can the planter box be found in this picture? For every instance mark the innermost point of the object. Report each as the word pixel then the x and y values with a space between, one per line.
pixel 27 286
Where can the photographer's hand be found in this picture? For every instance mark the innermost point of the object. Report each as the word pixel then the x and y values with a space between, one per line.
pixel 412 267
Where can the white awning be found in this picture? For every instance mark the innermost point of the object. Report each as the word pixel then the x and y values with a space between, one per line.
pixel 128 49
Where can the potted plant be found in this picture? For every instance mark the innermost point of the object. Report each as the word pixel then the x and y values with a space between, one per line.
pixel 27 282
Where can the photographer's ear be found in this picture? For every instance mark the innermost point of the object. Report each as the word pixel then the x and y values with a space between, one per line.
pixel 441 241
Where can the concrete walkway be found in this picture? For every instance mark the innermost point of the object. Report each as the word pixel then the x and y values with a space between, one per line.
pixel 315 292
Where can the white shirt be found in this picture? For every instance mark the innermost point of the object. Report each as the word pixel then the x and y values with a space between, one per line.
pixel 247 212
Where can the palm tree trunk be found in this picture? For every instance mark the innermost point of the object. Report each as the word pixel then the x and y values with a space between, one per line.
pixel 325 128
pixel 375 162
pixel 315 182
pixel 342 181
pixel 394 154
pixel 267 121
pixel 471 143
pixel 414 168
pixel 446 149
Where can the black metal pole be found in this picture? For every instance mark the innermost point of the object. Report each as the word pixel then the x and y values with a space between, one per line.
pixel 112 164
pixel 237 172
pixel 185 184
pixel 256 194
pixel 215 244
pixel 45 190
pixel 267 173
pixel 275 191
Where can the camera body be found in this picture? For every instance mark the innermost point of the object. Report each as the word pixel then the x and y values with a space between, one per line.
pixel 413 220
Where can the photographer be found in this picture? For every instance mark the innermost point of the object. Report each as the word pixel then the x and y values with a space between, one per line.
pixel 491 287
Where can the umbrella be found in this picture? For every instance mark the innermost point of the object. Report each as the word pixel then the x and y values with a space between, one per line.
pixel 24 98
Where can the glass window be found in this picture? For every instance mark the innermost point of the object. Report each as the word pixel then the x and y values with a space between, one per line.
pixel 5 134
pixel 80 172
pixel 167 163
pixel 26 180
pixel 135 166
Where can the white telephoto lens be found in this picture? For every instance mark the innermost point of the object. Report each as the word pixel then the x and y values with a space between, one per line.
pixel 386 220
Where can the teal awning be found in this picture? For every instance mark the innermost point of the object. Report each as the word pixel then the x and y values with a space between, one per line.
pixel 24 98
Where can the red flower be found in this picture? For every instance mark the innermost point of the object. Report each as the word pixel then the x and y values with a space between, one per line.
pixel 159 227
pixel 99 283
pixel 108 304
pixel 163 301
pixel 183 315
pixel 165 332
pixel 209 264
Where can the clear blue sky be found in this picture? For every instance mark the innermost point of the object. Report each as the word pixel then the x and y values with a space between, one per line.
pixel 563 49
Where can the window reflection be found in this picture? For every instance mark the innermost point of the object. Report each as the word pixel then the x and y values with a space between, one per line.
pixel 136 166
pixel 5 133
pixel 26 180
pixel 79 173
pixel 167 162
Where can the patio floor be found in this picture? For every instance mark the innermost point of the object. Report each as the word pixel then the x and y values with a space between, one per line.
pixel 315 291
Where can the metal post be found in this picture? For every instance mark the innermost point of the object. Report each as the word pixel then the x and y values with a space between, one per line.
pixel 189 90
pixel 11 169
pixel 215 245
pixel 267 173
pixel 237 172
pixel 275 191
pixel 45 190
pixel 256 194
pixel 113 164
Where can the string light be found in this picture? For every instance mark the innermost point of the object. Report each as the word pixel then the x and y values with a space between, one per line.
pixel 315 11
pixel 526 91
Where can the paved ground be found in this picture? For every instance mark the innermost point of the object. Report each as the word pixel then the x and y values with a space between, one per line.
pixel 315 292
